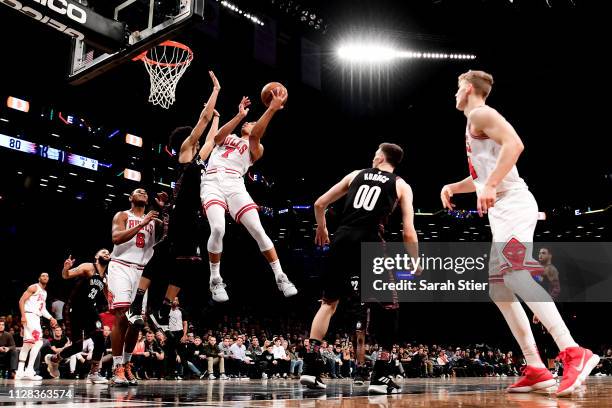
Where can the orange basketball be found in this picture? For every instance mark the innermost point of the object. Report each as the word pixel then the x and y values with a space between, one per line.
pixel 266 92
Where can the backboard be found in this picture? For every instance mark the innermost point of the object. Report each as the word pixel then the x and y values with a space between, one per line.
pixel 146 22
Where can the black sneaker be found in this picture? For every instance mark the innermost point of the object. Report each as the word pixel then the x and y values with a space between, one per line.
pixel 383 385
pixel 358 380
pixel 313 382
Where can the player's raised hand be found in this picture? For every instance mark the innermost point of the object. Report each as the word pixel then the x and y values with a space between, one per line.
pixel 161 199
pixel 69 262
pixel 321 236
pixel 151 216
pixel 446 195
pixel 279 96
pixel 215 81
pixel 53 322
pixel 243 108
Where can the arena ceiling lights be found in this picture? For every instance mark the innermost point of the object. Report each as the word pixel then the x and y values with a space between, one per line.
pixel 380 53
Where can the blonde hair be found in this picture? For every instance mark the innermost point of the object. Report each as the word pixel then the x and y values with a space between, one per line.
pixel 480 80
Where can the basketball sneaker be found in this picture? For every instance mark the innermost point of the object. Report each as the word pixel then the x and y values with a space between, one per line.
pixel 312 381
pixel 96 378
pixel 19 374
pixel 383 385
pixel 52 365
pixel 533 379
pixel 285 286
pixel 217 288
pixel 578 363
pixel 119 379
pixel 31 375
pixel 129 375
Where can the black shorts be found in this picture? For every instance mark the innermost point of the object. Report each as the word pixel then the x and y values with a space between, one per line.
pixel 185 235
pixel 81 321
pixel 341 276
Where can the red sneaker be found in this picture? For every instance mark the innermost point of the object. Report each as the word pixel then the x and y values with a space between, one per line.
pixel 578 363
pixel 533 379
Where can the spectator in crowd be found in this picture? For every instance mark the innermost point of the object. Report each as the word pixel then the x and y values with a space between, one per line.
pixel 296 362
pixel 153 357
pixel 8 353
pixel 56 344
pixel 215 355
pixel 178 327
pixel 57 310
pixel 137 355
pixel 269 365
pixel 80 362
pixel 329 359
pixel 396 367
pixel 195 357
pixel 280 356
pixel 239 359
pixel 604 368
pixel 442 364
pixel 254 352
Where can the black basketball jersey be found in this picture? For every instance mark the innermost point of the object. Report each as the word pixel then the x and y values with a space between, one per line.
pixel 371 198
pixel 89 293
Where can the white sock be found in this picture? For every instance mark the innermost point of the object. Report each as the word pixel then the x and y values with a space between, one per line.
pixel 215 274
pixel 33 354
pixel 517 320
pixel 117 360
pixel 23 356
pixel 276 268
pixel 127 357
pixel 542 305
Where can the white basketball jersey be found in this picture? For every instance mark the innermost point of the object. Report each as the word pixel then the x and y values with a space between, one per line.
pixel 139 249
pixel 232 156
pixel 482 155
pixel 36 303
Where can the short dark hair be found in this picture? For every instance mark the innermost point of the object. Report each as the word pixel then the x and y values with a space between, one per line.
pixel 393 153
pixel 178 136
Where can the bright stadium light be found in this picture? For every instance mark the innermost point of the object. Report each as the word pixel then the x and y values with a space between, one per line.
pixel 373 53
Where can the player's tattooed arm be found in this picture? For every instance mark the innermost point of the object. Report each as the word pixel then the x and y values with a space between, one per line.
pixel 409 234
pixel 189 146
pixel 68 272
pixel 228 128
pixel 332 195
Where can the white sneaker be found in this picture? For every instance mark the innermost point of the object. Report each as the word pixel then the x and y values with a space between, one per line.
pixel 398 377
pixel 212 377
pixel 31 375
pixel 96 378
pixel 218 292
pixel 264 376
pixel 504 375
pixel 52 367
pixel 285 286
pixel 19 375
pixel 223 377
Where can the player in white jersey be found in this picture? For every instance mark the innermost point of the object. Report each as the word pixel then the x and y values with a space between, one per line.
pixel 133 238
pixel 32 306
pixel 223 189
pixel 493 148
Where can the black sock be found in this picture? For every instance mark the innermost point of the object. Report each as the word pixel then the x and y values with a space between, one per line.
pixel 315 345
pixel 137 303
pixel 381 369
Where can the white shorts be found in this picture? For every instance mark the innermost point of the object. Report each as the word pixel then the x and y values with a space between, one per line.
pixel 32 332
pixel 513 220
pixel 229 192
pixel 122 281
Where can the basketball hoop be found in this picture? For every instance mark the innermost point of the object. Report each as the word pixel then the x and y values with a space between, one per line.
pixel 166 63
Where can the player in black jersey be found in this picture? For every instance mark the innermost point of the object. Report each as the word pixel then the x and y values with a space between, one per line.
pixel 82 313
pixel 176 253
pixel 371 196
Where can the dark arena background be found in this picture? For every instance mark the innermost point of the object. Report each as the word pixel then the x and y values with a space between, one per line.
pixel 71 154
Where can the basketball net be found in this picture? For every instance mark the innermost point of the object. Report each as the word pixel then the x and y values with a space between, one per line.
pixel 166 63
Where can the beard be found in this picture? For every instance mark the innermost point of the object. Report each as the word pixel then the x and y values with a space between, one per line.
pixel 103 261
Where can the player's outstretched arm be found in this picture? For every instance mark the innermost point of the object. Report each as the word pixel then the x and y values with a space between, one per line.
pixel 491 123
pixel 409 234
pixel 279 95
pixel 332 195
pixel 68 272
pixel 209 144
pixel 188 148
pixel 228 128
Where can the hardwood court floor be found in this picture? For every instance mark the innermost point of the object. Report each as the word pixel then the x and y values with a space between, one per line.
pixel 429 393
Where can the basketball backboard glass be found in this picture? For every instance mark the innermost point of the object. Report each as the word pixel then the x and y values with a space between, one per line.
pixel 147 23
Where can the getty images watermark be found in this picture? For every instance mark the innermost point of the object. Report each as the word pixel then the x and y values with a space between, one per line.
pixel 463 272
